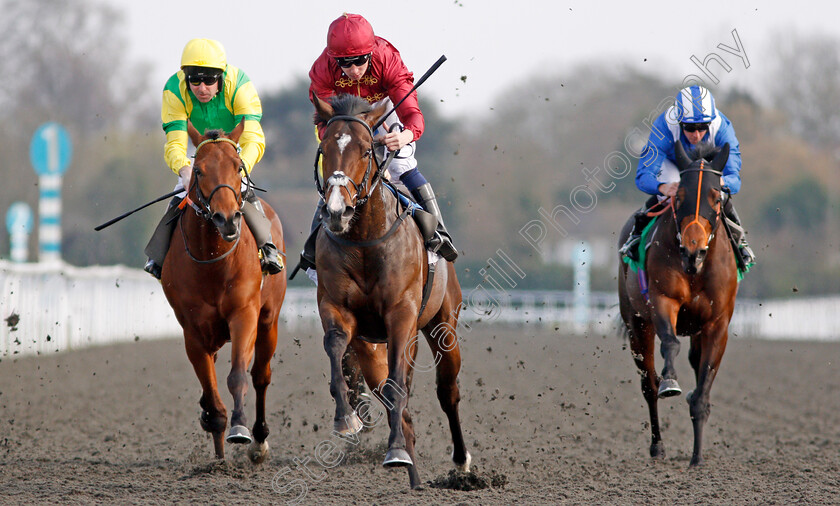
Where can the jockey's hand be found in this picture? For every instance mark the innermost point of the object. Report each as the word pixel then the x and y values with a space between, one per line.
pixel 668 189
pixel 396 140
pixel 184 176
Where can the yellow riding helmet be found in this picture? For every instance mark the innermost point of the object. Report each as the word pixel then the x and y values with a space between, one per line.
pixel 204 53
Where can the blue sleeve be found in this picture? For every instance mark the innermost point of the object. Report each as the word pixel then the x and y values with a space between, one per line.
pixel 660 145
pixel 732 169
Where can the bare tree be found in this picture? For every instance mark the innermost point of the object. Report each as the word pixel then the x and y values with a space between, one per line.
pixel 806 85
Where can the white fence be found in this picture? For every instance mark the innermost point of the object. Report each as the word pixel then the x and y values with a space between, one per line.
pixel 50 309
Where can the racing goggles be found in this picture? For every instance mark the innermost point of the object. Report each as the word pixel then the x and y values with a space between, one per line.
pixel 352 61
pixel 695 127
pixel 199 79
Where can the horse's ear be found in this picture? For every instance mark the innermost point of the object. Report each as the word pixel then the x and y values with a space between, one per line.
pixel 195 137
pixel 373 116
pixel 237 132
pixel 322 109
pixel 719 161
pixel 683 161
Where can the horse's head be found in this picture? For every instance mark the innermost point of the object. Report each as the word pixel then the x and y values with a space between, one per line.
pixel 698 201
pixel 346 151
pixel 218 167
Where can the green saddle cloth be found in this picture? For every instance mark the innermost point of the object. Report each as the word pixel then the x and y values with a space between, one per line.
pixel 642 246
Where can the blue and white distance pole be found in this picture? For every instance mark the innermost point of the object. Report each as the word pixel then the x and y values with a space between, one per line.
pixel 50 152
pixel 19 224
pixel 581 264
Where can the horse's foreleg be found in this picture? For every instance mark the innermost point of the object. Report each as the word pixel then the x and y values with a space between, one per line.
pixel 243 336
pixel 642 345
pixel 708 347
pixel 261 377
pixel 335 344
pixel 665 322
pixel 213 414
pixel 443 341
pixel 401 326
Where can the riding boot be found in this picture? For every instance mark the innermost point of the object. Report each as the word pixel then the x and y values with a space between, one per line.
pixel 260 226
pixel 641 219
pixel 307 256
pixel 738 233
pixel 442 242
pixel 158 245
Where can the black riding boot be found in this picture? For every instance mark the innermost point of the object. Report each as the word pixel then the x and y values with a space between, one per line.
pixel 442 242
pixel 641 219
pixel 158 245
pixel 307 256
pixel 738 233
pixel 260 226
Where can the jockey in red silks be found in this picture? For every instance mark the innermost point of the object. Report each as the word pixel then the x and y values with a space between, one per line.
pixel 360 63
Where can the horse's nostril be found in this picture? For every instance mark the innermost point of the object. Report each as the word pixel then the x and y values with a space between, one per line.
pixel 348 212
pixel 218 219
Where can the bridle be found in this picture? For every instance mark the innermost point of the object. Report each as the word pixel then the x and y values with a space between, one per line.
pixel 202 209
pixel 371 177
pixel 713 218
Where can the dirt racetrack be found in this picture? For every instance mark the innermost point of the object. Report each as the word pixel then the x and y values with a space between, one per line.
pixel 561 419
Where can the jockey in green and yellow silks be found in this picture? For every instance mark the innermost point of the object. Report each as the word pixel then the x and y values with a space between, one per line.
pixel 213 96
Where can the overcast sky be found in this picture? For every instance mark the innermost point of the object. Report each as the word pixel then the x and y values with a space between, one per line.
pixel 494 43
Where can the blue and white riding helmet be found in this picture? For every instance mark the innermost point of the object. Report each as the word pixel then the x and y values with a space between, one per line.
pixel 695 104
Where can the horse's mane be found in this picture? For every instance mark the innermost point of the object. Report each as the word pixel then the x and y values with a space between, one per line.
pixel 346 104
pixel 704 150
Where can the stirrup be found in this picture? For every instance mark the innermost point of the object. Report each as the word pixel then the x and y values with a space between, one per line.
pixel 152 268
pixel 445 248
pixel 270 259
pixel 629 248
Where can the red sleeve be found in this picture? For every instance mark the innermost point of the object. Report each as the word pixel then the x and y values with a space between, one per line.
pixel 321 82
pixel 398 80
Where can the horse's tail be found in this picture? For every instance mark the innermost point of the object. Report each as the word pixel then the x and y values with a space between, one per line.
pixel 621 329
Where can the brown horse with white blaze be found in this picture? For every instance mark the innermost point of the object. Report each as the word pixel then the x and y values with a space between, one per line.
pixel 214 283
pixel 691 280
pixel 372 269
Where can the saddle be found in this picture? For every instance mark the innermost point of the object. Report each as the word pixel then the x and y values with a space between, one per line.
pixel 426 221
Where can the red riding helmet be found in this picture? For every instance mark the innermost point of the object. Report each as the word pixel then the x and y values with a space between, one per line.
pixel 350 35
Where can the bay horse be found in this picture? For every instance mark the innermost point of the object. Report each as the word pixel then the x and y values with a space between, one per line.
pixel 213 281
pixel 689 290
pixel 372 269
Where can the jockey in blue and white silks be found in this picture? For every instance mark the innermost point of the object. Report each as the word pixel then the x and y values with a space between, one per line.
pixel 693 119
pixel 656 165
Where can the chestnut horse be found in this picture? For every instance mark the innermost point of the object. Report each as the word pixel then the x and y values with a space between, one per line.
pixel 213 281
pixel 372 269
pixel 689 290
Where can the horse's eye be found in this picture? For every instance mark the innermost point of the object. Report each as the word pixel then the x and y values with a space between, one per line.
pixel 367 153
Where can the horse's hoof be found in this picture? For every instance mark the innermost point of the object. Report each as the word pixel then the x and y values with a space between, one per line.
pixel 669 388
pixel 465 467
pixel 349 425
pixel 397 457
pixel 657 450
pixel 239 434
pixel 258 452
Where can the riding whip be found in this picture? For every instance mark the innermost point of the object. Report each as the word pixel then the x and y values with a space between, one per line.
pixel 416 85
pixel 118 218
